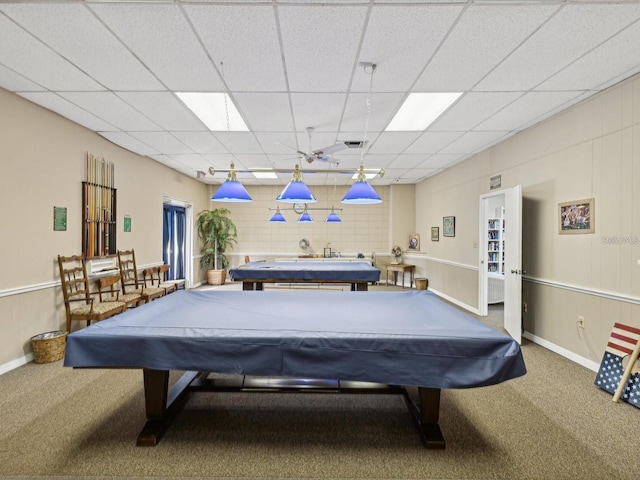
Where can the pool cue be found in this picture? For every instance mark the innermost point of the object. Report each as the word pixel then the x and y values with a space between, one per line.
pixel 627 373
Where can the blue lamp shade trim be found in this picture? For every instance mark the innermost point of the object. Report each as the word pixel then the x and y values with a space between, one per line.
pixel 332 218
pixel 231 191
pixel 305 218
pixel 296 191
pixel 361 193
pixel 277 217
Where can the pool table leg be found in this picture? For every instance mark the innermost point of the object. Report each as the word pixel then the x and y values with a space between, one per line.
pixel 424 404
pixel 161 403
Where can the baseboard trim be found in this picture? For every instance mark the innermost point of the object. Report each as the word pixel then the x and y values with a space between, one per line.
pixel 563 352
pixel 13 364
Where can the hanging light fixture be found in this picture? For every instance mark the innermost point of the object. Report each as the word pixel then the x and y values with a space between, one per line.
pixel 332 217
pixel 277 217
pixel 305 217
pixel 361 192
pixel 231 190
pixel 296 190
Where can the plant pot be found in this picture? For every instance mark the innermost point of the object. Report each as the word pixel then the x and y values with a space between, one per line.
pixel 216 277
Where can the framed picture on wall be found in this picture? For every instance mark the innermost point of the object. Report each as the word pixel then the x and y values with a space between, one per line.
pixel 577 217
pixel 414 242
pixel 449 226
pixel 435 234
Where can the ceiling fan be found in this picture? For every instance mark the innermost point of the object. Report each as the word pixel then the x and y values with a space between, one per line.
pixel 322 154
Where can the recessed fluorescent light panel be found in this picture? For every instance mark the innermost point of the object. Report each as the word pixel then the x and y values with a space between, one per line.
pixel 209 108
pixel 420 110
pixel 263 175
pixel 368 176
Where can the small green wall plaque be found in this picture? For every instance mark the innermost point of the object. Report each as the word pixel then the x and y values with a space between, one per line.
pixel 127 223
pixel 59 219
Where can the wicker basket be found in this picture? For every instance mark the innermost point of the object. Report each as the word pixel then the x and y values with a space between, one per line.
pixel 422 283
pixel 49 347
pixel 216 277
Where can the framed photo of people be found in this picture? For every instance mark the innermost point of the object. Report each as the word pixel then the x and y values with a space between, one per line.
pixel 577 216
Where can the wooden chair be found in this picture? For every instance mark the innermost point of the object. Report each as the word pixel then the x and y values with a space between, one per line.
pixel 129 277
pixel 151 277
pixel 75 289
pixel 109 293
pixel 164 271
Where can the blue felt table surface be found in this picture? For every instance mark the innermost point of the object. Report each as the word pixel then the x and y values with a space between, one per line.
pixel 406 338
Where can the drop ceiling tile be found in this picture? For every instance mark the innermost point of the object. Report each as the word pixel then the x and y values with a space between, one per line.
pixel 265 112
pixel 408 161
pixel 14 82
pixel 245 38
pixel 166 110
pixel 603 66
pixel 162 141
pixel 63 107
pixel 319 110
pixel 160 36
pixel 326 65
pixel 27 56
pixel 383 107
pixel 201 142
pixel 473 142
pixel 577 28
pixel 484 36
pixel 526 109
pixel 432 142
pixel 240 142
pixel 282 143
pixel 127 141
pixel 111 109
pixel 393 142
pixel 400 40
pixel 85 42
pixel 440 161
pixel 471 109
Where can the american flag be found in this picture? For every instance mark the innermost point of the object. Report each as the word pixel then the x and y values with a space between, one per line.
pixel 622 341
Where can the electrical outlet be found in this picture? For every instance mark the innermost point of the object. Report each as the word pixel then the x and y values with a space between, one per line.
pixel 524 307
pixel 580 321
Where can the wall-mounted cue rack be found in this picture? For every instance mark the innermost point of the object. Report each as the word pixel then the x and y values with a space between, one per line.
pixel 99 209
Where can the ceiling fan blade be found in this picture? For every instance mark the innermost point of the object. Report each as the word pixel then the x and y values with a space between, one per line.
pixel 331 149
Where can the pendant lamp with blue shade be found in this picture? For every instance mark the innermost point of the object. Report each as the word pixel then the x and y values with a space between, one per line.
pixel 333 217
pixel 296 190
pixel 305 217
pixel 277 217
pixel 231 190
pixel 361 192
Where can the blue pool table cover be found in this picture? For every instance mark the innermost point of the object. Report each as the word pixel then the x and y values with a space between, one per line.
pixel 409 338
pixel 307 271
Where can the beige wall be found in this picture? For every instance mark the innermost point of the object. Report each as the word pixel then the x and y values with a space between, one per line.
pixel 42 158
pixel 591 150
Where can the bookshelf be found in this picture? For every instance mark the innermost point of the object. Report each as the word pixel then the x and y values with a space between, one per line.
pixel 495 257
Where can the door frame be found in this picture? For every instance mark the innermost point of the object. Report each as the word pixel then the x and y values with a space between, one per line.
pixel 188 236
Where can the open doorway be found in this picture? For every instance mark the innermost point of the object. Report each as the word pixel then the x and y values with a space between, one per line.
pixel 500 258
pixel 177 225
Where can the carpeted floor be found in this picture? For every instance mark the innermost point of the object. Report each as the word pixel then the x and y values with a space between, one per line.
pixel 550 424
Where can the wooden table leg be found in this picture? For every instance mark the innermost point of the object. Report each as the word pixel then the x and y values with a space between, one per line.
pixel 424 404
pixel 162 404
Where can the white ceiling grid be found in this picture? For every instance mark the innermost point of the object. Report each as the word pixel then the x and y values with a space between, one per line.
pixel 114 67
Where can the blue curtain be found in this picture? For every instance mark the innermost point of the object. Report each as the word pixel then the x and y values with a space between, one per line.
pixel 173 233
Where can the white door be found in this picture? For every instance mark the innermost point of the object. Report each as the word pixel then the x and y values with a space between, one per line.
pixel 513 262
pixel 511 199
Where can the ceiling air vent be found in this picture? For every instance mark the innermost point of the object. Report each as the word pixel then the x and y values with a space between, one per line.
pixel 354 143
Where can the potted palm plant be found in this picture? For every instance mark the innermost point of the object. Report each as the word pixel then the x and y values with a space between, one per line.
pixel 217 232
